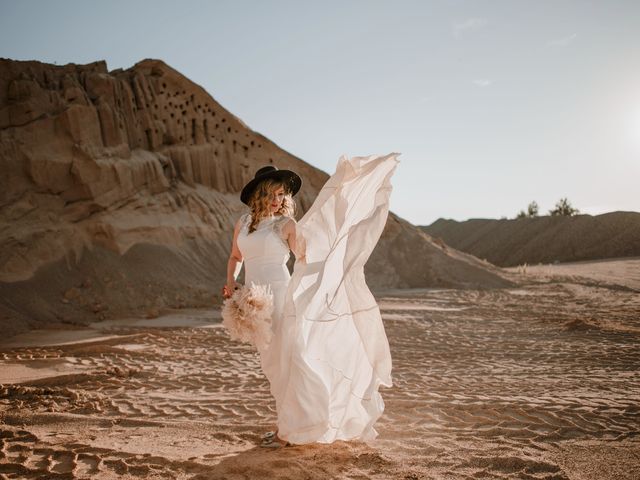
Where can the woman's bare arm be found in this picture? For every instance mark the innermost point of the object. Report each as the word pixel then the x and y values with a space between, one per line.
pixel 235 259
pixel 296 245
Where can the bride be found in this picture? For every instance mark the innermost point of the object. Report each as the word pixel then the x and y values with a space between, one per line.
pixel 329 352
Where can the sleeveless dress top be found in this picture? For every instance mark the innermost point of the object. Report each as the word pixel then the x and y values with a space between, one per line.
pixel 265 252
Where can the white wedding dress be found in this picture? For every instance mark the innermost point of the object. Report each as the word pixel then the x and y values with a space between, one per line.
pixel 329 352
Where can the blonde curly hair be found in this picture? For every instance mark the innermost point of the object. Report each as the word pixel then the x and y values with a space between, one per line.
pixel 260 202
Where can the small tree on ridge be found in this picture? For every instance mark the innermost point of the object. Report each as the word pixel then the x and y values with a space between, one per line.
pixel 563 207
pixel 532 211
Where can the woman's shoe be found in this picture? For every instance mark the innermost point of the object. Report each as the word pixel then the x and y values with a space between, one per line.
pixel 268 437
pixel 271 444
pixel 274 442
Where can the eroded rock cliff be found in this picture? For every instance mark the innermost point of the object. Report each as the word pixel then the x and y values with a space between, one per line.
pixel 119 190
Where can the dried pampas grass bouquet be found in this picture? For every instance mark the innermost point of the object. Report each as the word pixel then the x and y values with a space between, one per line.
pixel 247 315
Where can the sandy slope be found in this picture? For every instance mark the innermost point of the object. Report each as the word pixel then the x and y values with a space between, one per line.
pixel 539 381
pixel 544 239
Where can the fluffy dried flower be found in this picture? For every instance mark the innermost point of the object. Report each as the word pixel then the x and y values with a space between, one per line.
pixel 247 315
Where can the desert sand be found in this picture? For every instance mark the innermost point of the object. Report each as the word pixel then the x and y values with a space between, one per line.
pixel 536 381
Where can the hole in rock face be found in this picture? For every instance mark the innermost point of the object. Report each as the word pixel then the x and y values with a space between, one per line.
pixel 224 120
pixel 184 112
pixel 228 129
pixel 172 115
pixel 193 131
pixel 215 153
pixel 216 126
pixel 252 143
pixel 164 85
pixel 206 128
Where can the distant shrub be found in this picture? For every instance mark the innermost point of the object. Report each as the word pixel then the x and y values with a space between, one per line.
pixel 532 211
pixel 563 207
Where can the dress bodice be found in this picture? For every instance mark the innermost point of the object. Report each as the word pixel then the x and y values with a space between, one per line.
pixel 265 250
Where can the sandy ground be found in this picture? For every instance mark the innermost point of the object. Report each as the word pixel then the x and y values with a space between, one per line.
pixel 540 381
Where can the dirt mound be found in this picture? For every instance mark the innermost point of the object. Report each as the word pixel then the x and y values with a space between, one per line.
pixel 544 239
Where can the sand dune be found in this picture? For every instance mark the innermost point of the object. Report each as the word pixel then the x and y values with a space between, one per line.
pixel 544 239
pixel 537 381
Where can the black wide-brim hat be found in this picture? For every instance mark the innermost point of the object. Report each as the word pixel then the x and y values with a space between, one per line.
pixel 291 180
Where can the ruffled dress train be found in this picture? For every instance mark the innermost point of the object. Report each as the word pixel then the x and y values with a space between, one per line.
pixel 330 353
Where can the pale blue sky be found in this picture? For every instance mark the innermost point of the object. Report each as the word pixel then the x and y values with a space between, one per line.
pixel 492 104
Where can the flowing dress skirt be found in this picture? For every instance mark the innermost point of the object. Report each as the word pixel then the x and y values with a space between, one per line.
pixel 330 353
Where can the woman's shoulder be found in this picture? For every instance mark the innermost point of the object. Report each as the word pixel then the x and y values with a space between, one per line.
pixel 244 219
pixel 285 219
pixel 284 224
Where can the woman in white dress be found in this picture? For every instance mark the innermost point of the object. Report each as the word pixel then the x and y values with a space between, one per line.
pixel 329 352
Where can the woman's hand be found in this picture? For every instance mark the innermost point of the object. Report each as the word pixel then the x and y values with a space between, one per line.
pixel 229 288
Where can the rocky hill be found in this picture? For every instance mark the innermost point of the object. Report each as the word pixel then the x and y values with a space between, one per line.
pixel 119 190
pixel 545 239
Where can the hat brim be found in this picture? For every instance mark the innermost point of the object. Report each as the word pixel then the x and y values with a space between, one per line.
pixel 291 179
